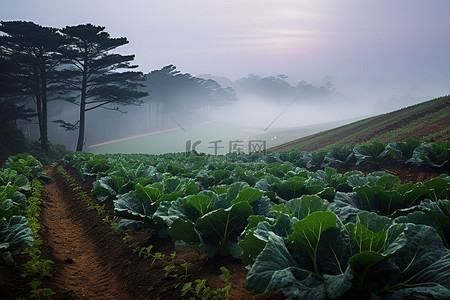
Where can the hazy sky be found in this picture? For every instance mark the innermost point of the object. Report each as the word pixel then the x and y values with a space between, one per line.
pixel 399 45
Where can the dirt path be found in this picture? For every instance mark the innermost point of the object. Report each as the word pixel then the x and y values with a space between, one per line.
pixel 80 270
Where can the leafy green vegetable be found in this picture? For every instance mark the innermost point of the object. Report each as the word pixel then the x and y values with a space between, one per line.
pixel 291 188
pixel 377 198
pixel 221 227
pixel 27 165
pixel 248 195
pixel 178 217
pixel 10 176
pixel 138 205
pixel 257 234
pixel 12 202
pixel 184 230
pixel 188 208
pixel 109 186
pixel 438 188
pixel 372 154
pixel 337 156
pixel 439 212
pixel 273 267
pixel 305 205
pixel 307 234
pixel 320 235
pixel 403 150
pixel 420 267
pixel 376 233
pixel 14 234
pixel 434 154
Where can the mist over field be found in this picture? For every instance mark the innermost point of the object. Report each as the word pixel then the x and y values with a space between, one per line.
pixel 255 65
pixel 268 108
pixel 152 128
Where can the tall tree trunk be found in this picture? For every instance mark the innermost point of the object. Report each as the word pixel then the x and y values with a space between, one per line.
pixel 37 92
pixel 44 125
pixel 80 142
pixel 39 114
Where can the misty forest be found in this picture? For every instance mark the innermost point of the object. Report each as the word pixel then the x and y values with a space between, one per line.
pixel 115 184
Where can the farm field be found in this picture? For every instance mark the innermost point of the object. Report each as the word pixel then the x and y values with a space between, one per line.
pixel 213 151
pixel 180 225
pixel 91 260
pixel 428 121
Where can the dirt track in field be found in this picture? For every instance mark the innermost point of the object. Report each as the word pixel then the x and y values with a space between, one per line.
pixel 91 260
pixel 80 271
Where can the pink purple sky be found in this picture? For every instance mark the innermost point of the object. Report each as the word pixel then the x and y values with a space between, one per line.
pixel 401 46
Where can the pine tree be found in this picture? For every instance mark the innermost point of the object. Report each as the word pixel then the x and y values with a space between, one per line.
pixel 34 51
pixel 94 72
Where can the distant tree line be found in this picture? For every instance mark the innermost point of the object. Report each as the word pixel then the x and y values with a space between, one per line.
pixel 276 88
pixel 73 64
pixel 177 94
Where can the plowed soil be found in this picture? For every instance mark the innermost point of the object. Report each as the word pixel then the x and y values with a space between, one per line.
pixel 79 245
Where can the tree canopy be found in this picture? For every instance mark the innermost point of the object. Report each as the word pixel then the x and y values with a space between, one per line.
pixel 178 91
pixel 31 51
pixel 94 72
pixel 73 63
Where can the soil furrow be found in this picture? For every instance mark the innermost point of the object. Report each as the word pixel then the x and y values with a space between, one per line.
pixel 79 270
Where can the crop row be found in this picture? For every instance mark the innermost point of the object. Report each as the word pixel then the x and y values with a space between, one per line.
pixel 16 178
pixel 412 126
pixel 411 151
pixel 315 234
pixel 21 189
pixel 405 121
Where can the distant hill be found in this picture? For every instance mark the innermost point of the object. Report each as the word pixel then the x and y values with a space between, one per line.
pixel 427 121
